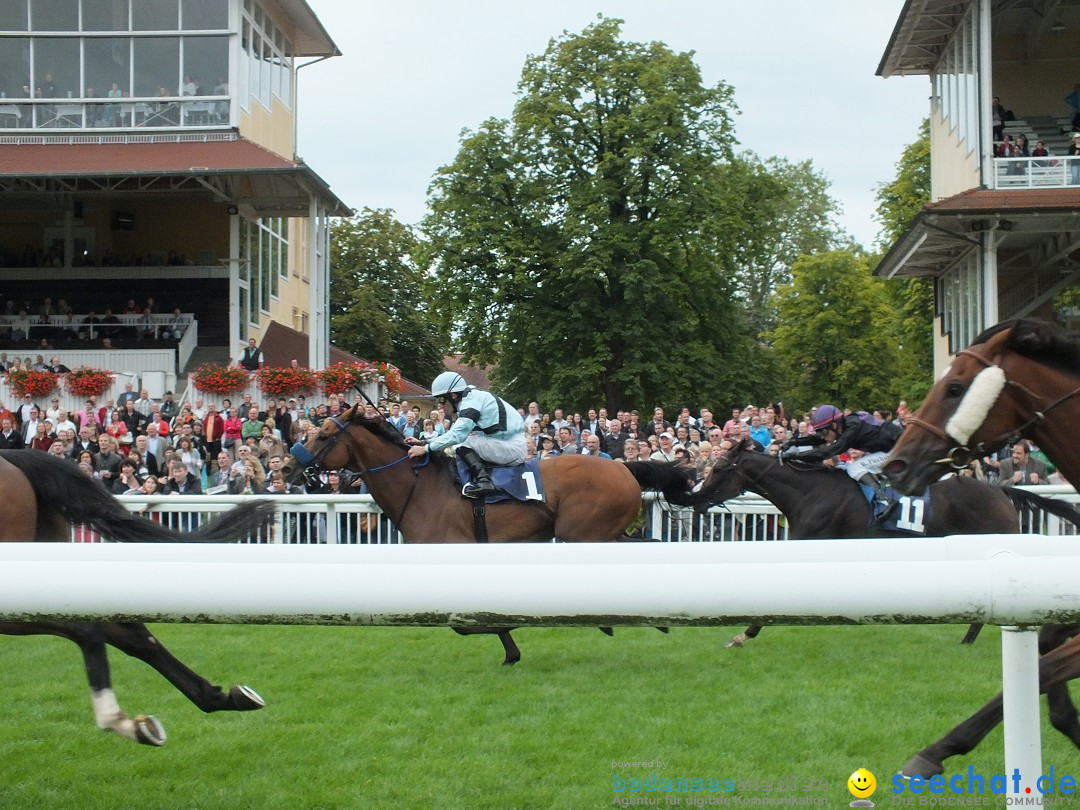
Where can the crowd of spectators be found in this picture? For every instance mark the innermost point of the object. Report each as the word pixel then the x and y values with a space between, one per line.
pixel 50 323
pixel 41 257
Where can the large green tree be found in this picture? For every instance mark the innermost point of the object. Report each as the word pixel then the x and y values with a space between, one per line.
pixel 899 201
pixel 582 246
pixel 377 306
pixel 829 335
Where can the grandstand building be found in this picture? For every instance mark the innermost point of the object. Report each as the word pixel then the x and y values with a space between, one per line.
pixel 148 151
pixel 1001 232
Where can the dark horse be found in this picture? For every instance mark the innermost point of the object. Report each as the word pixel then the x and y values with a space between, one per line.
pixel 44 496
pixel 822 502
pixel 1017 379
pixel 587 499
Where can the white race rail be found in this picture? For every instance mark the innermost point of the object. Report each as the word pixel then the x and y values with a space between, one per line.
pixel 998 579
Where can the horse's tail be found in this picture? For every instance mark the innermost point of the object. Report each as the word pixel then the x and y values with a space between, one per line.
pixel 61 487
pixel 673 481
pixel 1027 503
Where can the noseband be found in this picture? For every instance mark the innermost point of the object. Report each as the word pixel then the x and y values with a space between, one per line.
pixel 960 456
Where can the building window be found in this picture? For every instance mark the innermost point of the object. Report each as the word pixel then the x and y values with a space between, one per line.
pixel 960 297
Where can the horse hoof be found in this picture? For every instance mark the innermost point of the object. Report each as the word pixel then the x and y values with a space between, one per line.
pixel 919 765
pixel 607 631
pixel 509 662
pixel 245 699
pixel 736 641
pixel 148 730
pixel 662 629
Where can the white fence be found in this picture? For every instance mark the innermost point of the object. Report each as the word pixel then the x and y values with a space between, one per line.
pixel 999 579
pixel 357 519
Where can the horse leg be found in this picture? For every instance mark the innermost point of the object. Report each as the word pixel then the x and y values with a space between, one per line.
pixel 739 639
pixel 1056 667
pixel 513 654
pixel 108 715
pixel 137 641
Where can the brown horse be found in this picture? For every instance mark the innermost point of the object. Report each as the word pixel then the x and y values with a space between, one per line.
pixel 44 496
pixel 1017 379
pixel 587 499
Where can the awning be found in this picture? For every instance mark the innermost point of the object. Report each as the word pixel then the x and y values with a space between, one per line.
pixel 234 169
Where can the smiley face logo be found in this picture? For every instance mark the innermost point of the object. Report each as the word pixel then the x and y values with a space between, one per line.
pixel 861 783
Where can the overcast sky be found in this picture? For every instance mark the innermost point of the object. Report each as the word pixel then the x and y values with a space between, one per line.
pixel 377 122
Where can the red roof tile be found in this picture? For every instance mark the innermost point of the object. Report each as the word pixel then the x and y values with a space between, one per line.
pixel 989 201
pixel 182 157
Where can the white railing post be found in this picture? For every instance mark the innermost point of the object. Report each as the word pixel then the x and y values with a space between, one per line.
pixel 1020 702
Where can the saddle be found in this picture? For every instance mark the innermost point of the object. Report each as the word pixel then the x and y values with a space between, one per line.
pixel 910 517
pixel 519 482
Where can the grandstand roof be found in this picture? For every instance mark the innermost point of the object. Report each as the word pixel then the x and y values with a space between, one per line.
pixel 239 170
pixel 945 230
pixel 309 37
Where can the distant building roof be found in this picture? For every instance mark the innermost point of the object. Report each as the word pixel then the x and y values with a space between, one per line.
pixel 282 344
pixel 474 375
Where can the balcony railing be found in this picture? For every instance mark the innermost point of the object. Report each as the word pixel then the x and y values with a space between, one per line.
pixel 1036 172
pixel 175 112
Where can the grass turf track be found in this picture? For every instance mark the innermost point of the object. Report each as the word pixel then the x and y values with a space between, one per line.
pixel 410 718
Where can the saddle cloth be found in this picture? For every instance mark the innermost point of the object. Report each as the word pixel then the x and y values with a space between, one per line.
pixel 911 516
pixel 520 482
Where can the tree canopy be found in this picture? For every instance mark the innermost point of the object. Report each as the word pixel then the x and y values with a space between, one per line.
pixel 377 305
pixel 583 245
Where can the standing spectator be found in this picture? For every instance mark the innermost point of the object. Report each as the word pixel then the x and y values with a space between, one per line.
pixel 251 358
pixel 107 460
pixel 144 404
pixel 9 436
pixel 41 440
pixel 169 408
pixel 666 451
pixel 592 447
pixel 1074 164
pixel 657 425
pixel 129 394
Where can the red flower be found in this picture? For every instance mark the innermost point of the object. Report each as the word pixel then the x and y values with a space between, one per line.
pixel 220 379
pixel 88 382
pixel 282 381
pixel 35 383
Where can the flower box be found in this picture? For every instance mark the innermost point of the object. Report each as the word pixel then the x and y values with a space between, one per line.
pixel 35 383
pixel 222 380
pixel 88 382
pixel 287 381
pixel 342 377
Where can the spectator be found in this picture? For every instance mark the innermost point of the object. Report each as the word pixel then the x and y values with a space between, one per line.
pixel 592 447
pixel 127 482
pixel 251 358
pixel 41 440
pixel 1074 164
pixel 1022 469
pixel 249 478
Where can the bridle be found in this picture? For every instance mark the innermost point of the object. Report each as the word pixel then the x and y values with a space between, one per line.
pixel 960 456
pixel 313 462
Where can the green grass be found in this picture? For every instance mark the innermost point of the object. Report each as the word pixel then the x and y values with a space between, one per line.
pixel 397 717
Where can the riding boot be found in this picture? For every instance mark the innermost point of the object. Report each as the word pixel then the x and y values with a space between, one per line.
pixel 481 484
pixel 884 506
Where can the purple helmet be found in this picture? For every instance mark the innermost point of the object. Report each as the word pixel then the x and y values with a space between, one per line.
pixel 824 416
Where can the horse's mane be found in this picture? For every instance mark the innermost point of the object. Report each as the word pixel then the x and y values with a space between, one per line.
pixel 384 430
pixel 1039 340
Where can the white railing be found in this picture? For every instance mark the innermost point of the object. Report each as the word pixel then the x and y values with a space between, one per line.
pixel 358 520
pixel 1012 580
pixel 1036 172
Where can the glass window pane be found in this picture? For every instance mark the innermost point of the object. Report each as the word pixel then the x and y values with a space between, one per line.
pixel 13 16
pixel 157 66
pixel 242 300
pixel 54 15
pixel 206 61
pixel 265 74
pixel 155 15
pixel 14 68
pixel 205 15
pixel 107 63
pixel 56 66
pixel 104 15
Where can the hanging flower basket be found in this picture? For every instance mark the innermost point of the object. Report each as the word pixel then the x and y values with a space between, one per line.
pixel 88 382
pixel 35 383
pixel 342 377
pixel 223 380
pixel 286 381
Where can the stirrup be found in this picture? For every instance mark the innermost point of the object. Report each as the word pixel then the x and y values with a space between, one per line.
pixel 477 489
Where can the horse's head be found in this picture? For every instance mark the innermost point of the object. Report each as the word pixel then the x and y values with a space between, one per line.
pixel 343 442
pixel 982 402
pixel 727 478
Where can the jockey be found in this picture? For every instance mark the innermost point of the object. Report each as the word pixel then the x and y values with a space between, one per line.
pixel 836 433
pixel 486 429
